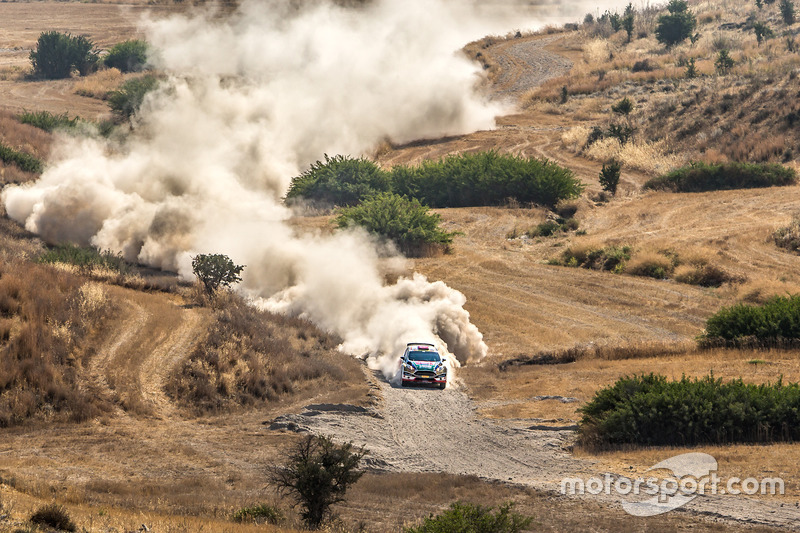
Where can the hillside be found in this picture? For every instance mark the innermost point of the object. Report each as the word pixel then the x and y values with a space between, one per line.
pixel 129 397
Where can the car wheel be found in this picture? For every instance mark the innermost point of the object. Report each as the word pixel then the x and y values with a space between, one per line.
pixel 442 385
pixel 402 383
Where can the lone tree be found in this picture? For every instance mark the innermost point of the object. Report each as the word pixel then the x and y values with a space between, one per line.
pixel 609 176
pixel 318 474
pixel 677 26
pixel 58 54
pixel 724 62
pixel 628 20
pixel 215 271
pixel 787 11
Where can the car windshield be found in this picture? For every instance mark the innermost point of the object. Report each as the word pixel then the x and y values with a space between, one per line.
pixel 430 357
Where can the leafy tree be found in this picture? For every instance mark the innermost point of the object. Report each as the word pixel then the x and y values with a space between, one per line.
pixel 588 19
pixel 215 271
pixel 340 181
pixel 609 176
pixel 762 32
pixel 127 56
pixel 318 474
pixel 405 222
pixel 691 69
pixel 724 62
pixel 126 100
pixel 787 11
pixel 472 518
pixel 623 107
pixel 628 20
pixel 57 54
pixel 677 26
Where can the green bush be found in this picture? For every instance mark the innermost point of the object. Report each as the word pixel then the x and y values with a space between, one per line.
pixel 553 227
pixel 258 514
pixel 787 12
pixel 464 180
pixel 405 222
pixel 47 121
pixel 609 176
pixel 789 236
pixel 724 62
pixel 24 161
pixel 126 100
pixel 775 323
pixel 704 275
pixel 127 56
pixel 340 181
pixel 54 516
pixel 85 257
pixel 611 258
pixel 699 177
pixel 473 518
pixel 677 26
pixel 58 54
pixel 648 410
pixel 486 178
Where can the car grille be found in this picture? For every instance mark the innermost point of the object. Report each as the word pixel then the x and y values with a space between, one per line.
pixel 425 375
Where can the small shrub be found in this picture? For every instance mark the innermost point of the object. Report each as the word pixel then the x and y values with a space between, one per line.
pixel 651 265
pixel 125 101
pixel 216 271
pixel 762 32
pixel 699 177
pixel 552 227
pixel 469 518
pixel 57 54
pixel 318 474
pixel 258 514
pixel 677 26
pixel 704 275
pixel 645 65
pixel 724 62
pixel 775 323
pixel 621 132
pixel 127 56
pixel 609 176
pixel 54 516
pixel 47 121
pixel 611 258
pixel 623 107
pixel 406 222
pixel 24 161
pixel 787 12
pixel 648 410
pixel 691 69
pixel 789 237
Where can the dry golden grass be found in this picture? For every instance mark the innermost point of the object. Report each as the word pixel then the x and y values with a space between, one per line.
pixel 23 136
pixel 99 84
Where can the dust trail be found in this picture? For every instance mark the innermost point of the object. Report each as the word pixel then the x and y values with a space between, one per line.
pixel 250 100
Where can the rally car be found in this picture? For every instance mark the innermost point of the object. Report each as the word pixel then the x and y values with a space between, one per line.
pixel 422 364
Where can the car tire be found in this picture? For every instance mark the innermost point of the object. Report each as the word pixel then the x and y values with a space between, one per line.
pixel 402 383
pixel 442 385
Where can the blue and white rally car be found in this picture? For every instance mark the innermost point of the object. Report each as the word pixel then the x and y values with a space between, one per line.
pixel 421 363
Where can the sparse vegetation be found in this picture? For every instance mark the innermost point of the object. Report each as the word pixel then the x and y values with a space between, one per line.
pixel 258 514
pixel 127 56
pixel 699 177
pixel 48 121
pixel 54 516
pixel 318 474
pixel 468 518
pixel 216 271
pixel 610 257
pixel 552 227
pixel 57 54
pixel 405 222
pixel 85 258
pixel 623 107
pixel 724 62
pixel 775 323
pixel 649 410
pixel 126 101
pixel 789 236
pixel 762 31
pixel 250 357
pixel 23 160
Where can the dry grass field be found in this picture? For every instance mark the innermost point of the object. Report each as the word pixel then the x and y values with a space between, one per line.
pixel 158 424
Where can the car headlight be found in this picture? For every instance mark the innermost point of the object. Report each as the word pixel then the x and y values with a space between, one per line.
pixel 409 368
pixel 441 369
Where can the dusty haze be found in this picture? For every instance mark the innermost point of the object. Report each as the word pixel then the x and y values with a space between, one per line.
pixel 249 102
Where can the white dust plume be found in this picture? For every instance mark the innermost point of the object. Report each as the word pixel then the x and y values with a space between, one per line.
pixel 250 100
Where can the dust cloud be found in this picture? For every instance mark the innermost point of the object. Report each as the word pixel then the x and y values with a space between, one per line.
pixel 249 100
